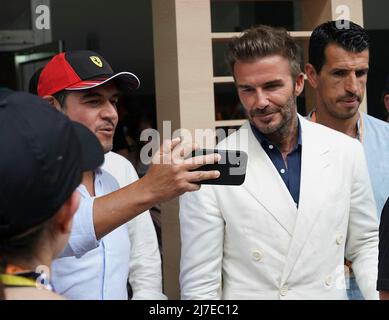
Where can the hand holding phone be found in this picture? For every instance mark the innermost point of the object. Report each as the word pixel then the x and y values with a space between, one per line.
pixel 232 166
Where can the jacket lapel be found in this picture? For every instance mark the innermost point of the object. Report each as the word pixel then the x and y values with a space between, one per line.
pixel 266 186
pixel 314 161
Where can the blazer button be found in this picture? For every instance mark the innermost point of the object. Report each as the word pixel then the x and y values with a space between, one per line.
pixel 328 281
pixel 339 239
pixel 284 290
pixel 257 255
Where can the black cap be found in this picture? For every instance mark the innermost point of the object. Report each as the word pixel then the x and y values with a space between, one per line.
pixel 43 157
pixel 33 83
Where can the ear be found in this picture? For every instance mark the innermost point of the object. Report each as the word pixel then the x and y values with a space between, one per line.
pixel 65 214
pixel 299 85
pixel 53 101
pixel 312 75
pixel 386 102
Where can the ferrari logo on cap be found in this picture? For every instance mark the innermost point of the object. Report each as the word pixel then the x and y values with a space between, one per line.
pixel 96 61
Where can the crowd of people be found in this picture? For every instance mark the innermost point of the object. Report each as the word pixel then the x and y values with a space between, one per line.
pixel 309 222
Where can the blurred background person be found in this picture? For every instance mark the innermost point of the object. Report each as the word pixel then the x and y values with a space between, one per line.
pixel 45 159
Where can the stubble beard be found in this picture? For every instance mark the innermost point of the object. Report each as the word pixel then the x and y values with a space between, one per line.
pixel 338 115
pixel 284 128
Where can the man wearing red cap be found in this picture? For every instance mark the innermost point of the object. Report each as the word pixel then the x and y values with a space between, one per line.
pixel 100 254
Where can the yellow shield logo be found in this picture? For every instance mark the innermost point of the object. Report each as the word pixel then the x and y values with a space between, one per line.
pixel 97 61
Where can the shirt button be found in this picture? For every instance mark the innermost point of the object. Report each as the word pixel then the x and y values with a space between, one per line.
pixel 257 255
pixel 339 239
pixel 284 290
pixel 271 146
pixel 282 170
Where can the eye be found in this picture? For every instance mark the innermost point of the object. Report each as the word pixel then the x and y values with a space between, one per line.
pixel 114 102
pixel 361 73
pixel 93 101
pixel 246 89
pixel 340 73
pixel 273 86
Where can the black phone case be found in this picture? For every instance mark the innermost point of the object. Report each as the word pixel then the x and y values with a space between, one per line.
pixel 232 166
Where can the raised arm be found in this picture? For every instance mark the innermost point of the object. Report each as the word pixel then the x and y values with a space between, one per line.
pixel 169 176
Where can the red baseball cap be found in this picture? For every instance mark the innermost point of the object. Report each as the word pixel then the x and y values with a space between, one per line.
pixel 80 70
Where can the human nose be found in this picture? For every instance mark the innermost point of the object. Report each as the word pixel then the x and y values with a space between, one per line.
pixel 351 84
pixel 261 99
pixel 109 111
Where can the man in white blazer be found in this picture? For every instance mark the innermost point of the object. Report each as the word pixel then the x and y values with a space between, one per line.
pixel 306 202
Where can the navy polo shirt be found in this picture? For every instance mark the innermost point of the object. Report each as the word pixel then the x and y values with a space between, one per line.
pixel 291 173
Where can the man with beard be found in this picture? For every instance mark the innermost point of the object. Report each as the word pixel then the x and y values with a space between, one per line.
pixel 305 202
pixel 337 70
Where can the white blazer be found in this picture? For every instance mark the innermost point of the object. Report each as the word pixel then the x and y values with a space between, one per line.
pixel 251 242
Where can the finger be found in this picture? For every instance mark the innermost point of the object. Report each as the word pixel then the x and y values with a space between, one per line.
pixel 177 154
pixel 192 187
pixel 182 151
pixel 198 161
pixel 168 145
pixel 188 148
pixel 198 176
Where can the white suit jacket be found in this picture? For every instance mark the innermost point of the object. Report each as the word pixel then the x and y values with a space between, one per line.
pixel 145 274
pixel 251 241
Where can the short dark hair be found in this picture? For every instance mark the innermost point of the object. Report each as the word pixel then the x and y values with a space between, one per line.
pixel 61 97
pixel 33 88
pixel 33 84
pixel 346 34
pixel 263 41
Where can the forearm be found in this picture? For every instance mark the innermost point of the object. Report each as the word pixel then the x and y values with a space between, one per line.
pixel 116 208
pixel 164 181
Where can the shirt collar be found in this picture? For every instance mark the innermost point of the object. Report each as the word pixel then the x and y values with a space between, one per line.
pixel 82 189
pixel 263 139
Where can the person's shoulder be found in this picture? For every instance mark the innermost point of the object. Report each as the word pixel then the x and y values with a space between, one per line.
pixel 324 133
pixel 5 92
pixel 113 157
pixel 385 209
pixel 120 168
pixel 116 162
pixel 375 123
pixel 31 294
pixel 330 139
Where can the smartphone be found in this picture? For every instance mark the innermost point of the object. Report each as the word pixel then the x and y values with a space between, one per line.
pixel 232 166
